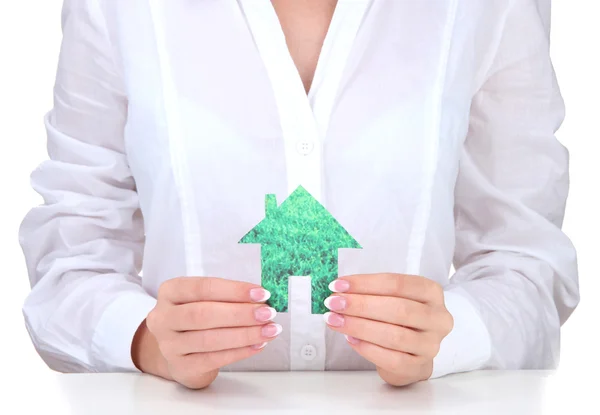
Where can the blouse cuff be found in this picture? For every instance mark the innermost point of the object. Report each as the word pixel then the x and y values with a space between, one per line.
pixel 111 345
pixel 468 347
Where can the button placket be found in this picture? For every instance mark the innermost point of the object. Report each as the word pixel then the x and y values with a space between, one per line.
pixel 304 127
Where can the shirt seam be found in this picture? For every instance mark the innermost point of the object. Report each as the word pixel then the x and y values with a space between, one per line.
pixel 431 152
pixel 179 166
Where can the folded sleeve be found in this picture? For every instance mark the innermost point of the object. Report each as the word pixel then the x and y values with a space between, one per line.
pixel 83 246
pixel 516 272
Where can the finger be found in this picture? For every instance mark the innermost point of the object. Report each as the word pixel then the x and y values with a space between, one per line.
pixel 386 335
pixel 391 360
pixel 202 341
pixel 193 289
pixel 210 315
pixel 190 365
pixel 411 287
pixel 393 310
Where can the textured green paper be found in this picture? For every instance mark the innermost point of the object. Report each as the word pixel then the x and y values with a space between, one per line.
pixel 299 237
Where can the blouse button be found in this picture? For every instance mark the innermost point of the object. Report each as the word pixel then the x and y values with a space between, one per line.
pixel 308 352
pixel 305 147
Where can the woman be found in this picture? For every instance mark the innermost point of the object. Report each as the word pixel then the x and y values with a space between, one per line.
pixel 235 145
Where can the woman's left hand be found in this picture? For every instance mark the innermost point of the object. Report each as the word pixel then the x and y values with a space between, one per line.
pixel 395 321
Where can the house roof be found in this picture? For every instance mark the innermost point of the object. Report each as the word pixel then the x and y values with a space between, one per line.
pixel 300 219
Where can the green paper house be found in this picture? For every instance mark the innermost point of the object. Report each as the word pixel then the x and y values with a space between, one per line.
pixel 298 238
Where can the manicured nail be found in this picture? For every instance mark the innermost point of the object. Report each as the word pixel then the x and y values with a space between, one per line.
pixel 258 346
pixel 265 313
pixel 339 286
pixel 351 340
pixel 334 319
pixel 335 303
pixel 271 330
pixel 259 295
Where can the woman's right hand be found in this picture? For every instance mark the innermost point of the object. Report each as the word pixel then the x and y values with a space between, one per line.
pixel 201 324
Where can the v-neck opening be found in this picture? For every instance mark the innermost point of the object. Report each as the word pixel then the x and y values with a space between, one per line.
pixel 325 44
pixel 341 21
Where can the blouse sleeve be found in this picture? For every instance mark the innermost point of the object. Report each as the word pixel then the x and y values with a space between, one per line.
pixel 83 246
pixel 516 271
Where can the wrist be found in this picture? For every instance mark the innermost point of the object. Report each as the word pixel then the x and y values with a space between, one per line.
pixel 146 354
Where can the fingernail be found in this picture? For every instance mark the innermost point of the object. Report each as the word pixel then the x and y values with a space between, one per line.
pixel 258 295
pixel 335 303
pixel 334 319
pixel 258 346
pixel 351 340
pixel 339 286
pixel 265 313
pixel 271 330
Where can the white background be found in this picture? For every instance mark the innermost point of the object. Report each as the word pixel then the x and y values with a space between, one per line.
pixel 29 44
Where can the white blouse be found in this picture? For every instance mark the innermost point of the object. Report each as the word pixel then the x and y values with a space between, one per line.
pixel 428 134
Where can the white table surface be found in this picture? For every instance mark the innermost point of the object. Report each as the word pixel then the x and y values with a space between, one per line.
pixel 481 393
